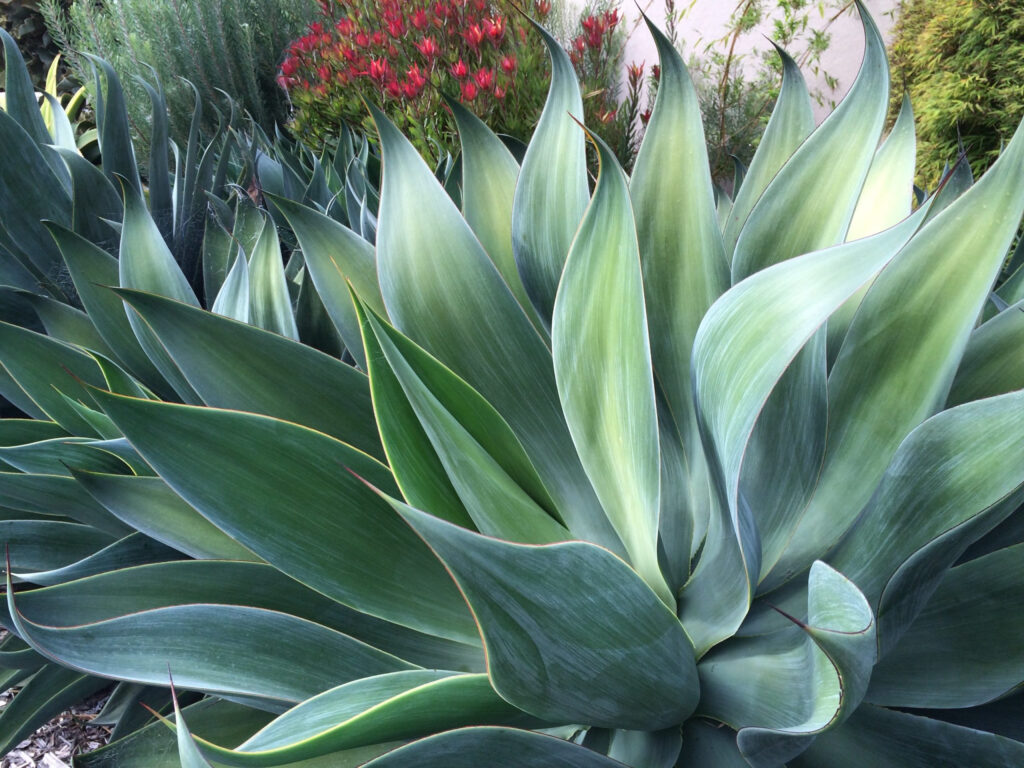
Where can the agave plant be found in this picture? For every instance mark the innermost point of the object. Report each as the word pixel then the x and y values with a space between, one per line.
pixel 604 478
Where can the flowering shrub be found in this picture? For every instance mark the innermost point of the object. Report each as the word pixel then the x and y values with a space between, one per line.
pixel 403 56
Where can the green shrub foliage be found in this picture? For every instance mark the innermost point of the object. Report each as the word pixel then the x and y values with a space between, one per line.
pixel 963 64
pixel 230 47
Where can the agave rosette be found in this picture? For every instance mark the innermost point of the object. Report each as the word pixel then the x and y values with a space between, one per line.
pixel 618 477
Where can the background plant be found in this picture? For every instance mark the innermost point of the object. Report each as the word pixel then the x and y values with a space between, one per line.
pixel 23 19
pixel 406 58
pixel 738 90
pixel 232 46
pixel 963 65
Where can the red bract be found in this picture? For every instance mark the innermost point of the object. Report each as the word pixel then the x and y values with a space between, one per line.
pixel 509 64
pixel 473 36
pixel 468 91
pixel 542 8
pixel 416 77
pixel 484 78
pixel 396 27
pixel 495 30
pixel 419 19
pixel 393 89
pixel 459 70
pixel 379 70
pixel 362 39
pixel 428 48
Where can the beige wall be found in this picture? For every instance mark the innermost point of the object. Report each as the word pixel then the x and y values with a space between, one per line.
pixel 707 19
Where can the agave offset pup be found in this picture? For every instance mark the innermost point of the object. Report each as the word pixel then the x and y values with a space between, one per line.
pixel 618 478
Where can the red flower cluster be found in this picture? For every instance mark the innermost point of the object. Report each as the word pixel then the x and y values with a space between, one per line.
pixel 391 50
pixel 597 32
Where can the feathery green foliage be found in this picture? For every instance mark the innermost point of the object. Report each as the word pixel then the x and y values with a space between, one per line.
pixel 963 65
pixel 229 46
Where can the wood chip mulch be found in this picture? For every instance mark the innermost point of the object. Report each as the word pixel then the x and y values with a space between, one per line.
pixel 57 742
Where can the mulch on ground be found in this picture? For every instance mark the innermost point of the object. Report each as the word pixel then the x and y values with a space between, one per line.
pixel 57 742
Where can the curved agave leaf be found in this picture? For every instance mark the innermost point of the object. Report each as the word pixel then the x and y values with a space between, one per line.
pixel 134 549
pixel 218 648
pixel 456 305
pixel 112 123
pixel 552 193
pixel 657 749
pixel 62 134
pixel 145 263
pixel 56 495
pixel 991 364
pixel 148 505
pixel 396 706
pixel 943 485
pixel 161 197
pixel 95 203
pixel 54 456
pixel 963 649
pixel 885 200
pixel 791 123
pixel 270 302
pixel 886 382
pixel 334 256
pixel 617 658
pixel 234 365
pixel 808 679
pixel 888 190
pixel 233 297
pixel 472 446
pixel 65 323
pixel 19 93
pixel 734 373
pixel 684 271
pixel 91 268
pixel 603 369
pixel 489 176
pixel 155 746
pixel 279 489
pixel 887 739
pixel 21 431
pixel 18 655
pixel 256 585
pixel 472 747
pixel 809 203
pixel 30 191
pixel 40 365
pixel 42 545
pixel 189 753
